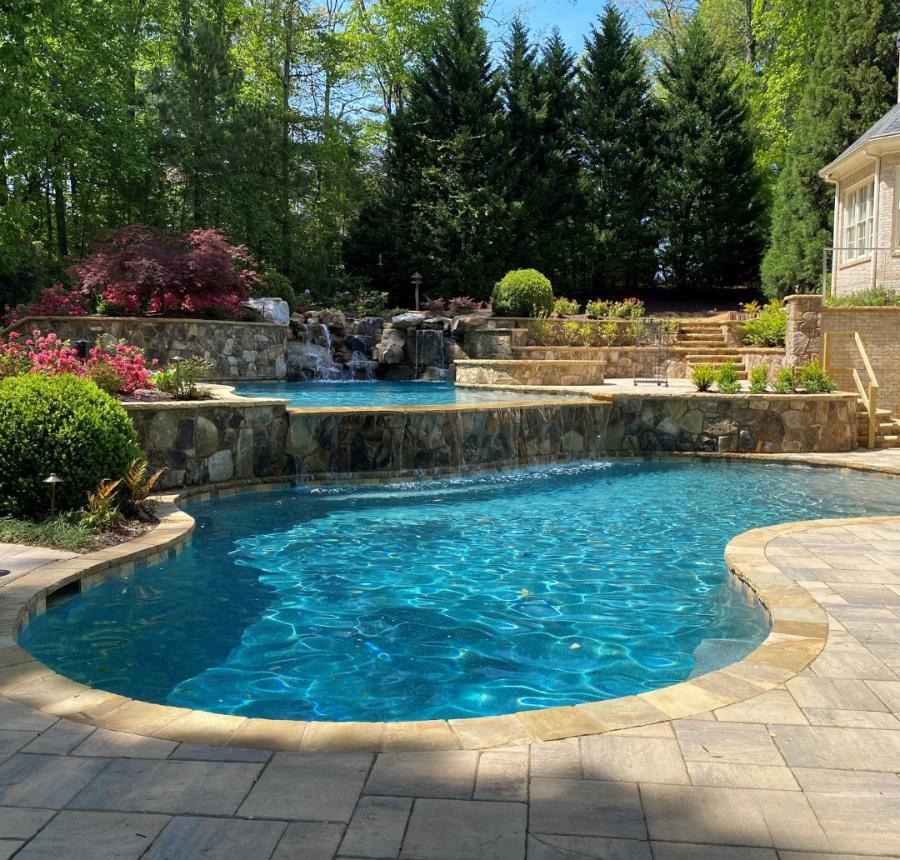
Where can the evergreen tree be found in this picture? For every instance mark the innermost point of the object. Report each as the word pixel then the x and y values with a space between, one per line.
pixel 559 219
pixel 709 202
pixel 850 85
pixel 615 114
pixel 447 162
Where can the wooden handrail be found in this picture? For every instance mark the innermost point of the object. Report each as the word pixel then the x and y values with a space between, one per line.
pixel 868 393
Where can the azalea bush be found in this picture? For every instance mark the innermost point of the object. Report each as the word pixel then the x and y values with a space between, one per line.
pixel 141 269
pixel 118 369
pixel 55 301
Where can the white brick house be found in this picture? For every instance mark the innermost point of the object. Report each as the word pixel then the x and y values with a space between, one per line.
pixel 866 177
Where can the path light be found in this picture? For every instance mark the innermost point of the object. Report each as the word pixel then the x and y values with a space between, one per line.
pixel 53 479
pixel 82 347
pixel 417 282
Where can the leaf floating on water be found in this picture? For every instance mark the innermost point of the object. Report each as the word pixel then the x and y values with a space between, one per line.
pixel 574 646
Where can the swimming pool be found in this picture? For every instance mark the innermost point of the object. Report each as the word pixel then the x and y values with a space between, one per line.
pixel 442 599
pixel 327 394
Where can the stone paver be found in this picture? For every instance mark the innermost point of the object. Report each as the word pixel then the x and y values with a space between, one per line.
pixel 805 767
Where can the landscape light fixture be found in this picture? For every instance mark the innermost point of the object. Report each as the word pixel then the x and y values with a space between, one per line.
pixel 82 347
pixel 53 479
pixel 417 282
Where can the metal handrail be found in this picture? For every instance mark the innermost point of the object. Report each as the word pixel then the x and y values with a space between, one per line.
pixel 867 393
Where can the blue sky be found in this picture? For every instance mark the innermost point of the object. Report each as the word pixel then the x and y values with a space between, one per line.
pixel 573 17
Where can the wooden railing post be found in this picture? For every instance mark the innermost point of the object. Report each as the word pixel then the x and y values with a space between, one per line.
pixel 873 412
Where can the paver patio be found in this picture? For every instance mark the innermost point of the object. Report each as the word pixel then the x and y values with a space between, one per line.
pixel 807 771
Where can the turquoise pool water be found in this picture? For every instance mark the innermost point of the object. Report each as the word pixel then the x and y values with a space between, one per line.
pixel 444 599
pixel 375 393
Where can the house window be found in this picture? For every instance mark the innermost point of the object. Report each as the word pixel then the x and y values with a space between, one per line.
pixel 859 221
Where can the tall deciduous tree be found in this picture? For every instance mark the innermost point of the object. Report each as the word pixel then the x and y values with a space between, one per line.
pixel 615 114
pixel 448 162
pixel 850 85
pixel 709 206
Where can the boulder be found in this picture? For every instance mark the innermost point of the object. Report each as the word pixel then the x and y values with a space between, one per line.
pixel 466 322
pixel 369 327
pixel 413 319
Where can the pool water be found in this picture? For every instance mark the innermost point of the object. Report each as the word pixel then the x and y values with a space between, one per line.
pixel 327 394
pixel 455 598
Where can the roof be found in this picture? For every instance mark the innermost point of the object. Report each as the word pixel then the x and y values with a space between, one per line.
pixel 886 127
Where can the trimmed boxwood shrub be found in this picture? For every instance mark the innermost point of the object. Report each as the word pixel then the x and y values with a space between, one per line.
pixel 522 293
pixel 60 424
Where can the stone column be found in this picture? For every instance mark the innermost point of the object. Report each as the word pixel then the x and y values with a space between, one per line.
pixel 804 329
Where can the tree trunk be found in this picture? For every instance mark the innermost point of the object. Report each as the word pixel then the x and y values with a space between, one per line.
pixel 286 69
pixel 59 210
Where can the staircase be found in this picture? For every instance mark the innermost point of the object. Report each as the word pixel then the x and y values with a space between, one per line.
pixel 705 344
pixel 887 431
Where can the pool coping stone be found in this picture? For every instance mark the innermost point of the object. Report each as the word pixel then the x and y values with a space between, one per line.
pixel 799 630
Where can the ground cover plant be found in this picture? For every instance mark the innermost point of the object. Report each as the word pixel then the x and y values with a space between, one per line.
pixel 768 327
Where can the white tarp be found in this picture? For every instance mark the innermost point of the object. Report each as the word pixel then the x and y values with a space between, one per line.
pixel 272 310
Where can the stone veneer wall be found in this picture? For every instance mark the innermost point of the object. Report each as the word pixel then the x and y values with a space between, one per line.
pixel 212 441
pixel 764 424
pixel 879 329
pixel 440 440
pixel 518 372
pixel 237 350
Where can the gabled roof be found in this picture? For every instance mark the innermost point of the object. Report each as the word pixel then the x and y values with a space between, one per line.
pixel 886 127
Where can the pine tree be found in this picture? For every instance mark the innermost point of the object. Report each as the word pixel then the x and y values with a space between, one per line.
pixel 709 203
pixel 447 162
pixel 615 118
pixel 850 85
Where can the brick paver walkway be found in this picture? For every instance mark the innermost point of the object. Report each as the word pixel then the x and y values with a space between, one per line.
pixel 808 770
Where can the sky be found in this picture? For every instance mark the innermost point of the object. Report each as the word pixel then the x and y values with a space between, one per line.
pixel 573 17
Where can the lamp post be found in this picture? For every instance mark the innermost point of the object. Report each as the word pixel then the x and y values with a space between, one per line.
pixel 417 282
pixel 82 347
pixel 53 479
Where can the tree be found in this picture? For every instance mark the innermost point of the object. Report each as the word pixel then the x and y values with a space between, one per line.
pixel 709 206
pixel 615 118
pixel 447 162
pixel 850 85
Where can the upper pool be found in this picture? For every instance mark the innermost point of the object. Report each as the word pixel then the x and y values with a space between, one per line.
pixel 444 599
pixel 328 394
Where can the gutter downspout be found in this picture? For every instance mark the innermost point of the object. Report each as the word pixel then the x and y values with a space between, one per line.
pixel 876 221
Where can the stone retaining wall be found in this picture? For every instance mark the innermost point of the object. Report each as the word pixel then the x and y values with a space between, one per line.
pixel 518 372
pixel 764 424
pixel 210 442
pixel 236 350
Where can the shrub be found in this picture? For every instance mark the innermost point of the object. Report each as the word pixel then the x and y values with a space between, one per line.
pixel 462 305
pixel 785 381
pixel 544 331
pixel 759 378
pixel 13 356
pixel 566 307
pixel 363 303
pixel 59 424
pixel 727 379
pixel 55 301
pixel 571 331
pixel 181 378
pixel 149 270
pixel 589 334
pixel 876 297
pixel 66 531
pixel 703 376
pixel 274 285
pixel 769 328
pixel 609 331
pixel 597 309
pixel 434 306
pixel 814 379
pixel 752 308
pixel 522 293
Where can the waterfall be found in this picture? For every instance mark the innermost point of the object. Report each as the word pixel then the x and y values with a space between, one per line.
pixel 429 349
pixel 359 364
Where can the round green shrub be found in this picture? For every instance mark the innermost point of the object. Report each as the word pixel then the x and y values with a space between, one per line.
pixel 274 285
pixel 60 424
pixel 522 293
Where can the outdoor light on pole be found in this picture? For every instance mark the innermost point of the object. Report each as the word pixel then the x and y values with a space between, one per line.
pixel 417 282
pixel 53 479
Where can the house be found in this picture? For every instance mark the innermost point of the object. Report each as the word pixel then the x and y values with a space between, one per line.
pixel 866 177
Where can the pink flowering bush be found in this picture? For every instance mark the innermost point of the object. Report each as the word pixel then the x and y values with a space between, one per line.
pixel 120 369
pixel 142 269
pixel 55 301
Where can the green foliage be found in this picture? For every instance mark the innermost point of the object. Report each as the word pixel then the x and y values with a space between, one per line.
pixel 849 86
pixel 59 424
pixel 814 380
pixel 180 379
pixel 615 120
pixel 710 207
pixel 759 378
pixel 273 285
pixel 566 307
pixel 522 293
pixel 703 376
pixel 785 381
pixel 876 297
pixel 543 331
pixel 65 531
pixel 769 328
pixel 597 309
pixel 571 332
pixel 727 378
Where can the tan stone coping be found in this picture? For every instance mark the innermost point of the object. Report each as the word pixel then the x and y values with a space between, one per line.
pixel 799 629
